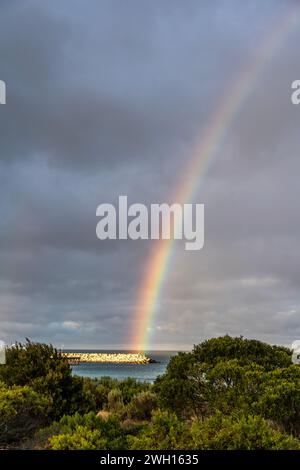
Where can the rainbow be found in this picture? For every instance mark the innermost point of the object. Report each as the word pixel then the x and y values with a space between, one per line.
pixel 157 268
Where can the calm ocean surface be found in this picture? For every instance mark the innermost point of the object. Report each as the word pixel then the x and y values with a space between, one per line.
pixel 144 372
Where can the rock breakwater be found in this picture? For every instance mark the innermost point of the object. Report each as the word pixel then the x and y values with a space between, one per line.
pixel 117 358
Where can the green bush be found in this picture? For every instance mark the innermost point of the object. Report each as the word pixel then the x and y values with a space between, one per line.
pixel 46 371
pixel 220 432
pixel 279 398
pixel 131 387
pixel 229 385
pixel 246 351
pixel 84 432
pixel 80 439
pixel 142 405
pixel 98 389
pixel 115 400
pixel 165 431
pixel 220 373
pixel 174 389
pixel 22 412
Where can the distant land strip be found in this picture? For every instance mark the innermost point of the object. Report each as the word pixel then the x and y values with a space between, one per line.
pixel 117 358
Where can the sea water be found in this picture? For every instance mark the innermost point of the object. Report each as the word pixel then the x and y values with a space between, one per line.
pixel 142 372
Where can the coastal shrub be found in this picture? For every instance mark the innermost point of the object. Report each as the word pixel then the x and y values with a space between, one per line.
pixel 115 400
pixel 30 361
pixel 80 439
pixel 174 389
pixel 220 373
pixel 131 387
pixel 274 395
pixel 221 432
pixel 204 389
pixel 228 393
pixel 47 372
pixel 165 431
pixel 246 351
pixel 22 412
pixel 228 385
pixel 99 388
pixel 279 398
pixel 90 394
pixel 142 406
pixel 84 432
pixel 66 425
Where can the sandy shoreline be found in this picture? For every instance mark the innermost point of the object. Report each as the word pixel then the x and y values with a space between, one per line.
pixel 118 358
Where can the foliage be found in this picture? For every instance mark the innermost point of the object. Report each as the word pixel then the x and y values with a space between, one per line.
pixel 86 432
pixel 142 405
pixel 31 361
pixel 22 411
pixel 279 398
pixel 174 389
pixel 115 400
pixel 98 389
pixel 219 373
pixel 246 351
pixel 165 431
pixel 131 387
pixel 47 372
pixel 228 393
pixel 220 432
pixel 227 385
pixel 80 439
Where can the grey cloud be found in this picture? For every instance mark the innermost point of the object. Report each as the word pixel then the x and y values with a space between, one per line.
pixel 108 99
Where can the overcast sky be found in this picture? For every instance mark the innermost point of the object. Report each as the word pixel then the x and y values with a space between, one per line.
pixel 107 98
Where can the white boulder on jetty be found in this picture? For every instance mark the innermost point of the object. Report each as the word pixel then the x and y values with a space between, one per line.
pixel 119 358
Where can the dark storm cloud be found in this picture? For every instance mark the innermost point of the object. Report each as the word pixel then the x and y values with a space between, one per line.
pixel 80 96
pixel 109 98
pixel 112 84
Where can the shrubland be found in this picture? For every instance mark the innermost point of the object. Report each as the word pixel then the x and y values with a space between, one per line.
pixel 227 393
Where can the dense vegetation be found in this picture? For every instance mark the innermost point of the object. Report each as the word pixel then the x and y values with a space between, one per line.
pixel 228 393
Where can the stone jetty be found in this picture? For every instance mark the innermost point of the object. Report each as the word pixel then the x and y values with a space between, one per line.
pixel 97 358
